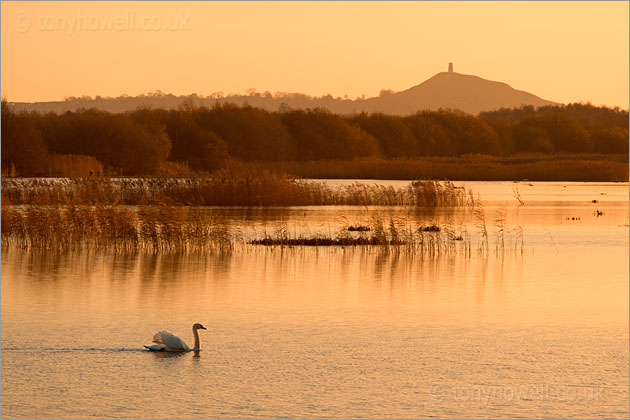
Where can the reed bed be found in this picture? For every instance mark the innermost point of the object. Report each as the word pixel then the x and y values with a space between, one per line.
pixel 536 167
pixel 158 228
pixel 398 235
pixel 183 229
pixel 224 188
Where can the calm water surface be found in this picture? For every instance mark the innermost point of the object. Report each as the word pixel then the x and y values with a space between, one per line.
pixel 538 330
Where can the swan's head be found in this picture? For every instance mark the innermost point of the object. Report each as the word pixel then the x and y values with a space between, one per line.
pixel 198 327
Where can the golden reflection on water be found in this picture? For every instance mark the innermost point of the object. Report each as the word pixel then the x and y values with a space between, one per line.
pixel 328 332
pixel 261 304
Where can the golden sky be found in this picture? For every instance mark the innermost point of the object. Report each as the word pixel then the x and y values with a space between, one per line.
pixel 560 51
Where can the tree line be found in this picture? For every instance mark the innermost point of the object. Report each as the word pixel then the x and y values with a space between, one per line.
pixel 146 141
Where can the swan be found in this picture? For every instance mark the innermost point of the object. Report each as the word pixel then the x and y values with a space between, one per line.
pixel 165 341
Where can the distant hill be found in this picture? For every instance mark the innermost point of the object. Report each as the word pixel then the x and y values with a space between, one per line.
pixel 468 93
pixel 452 90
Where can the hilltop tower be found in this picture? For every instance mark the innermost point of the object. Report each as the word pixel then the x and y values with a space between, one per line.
pixel 450 67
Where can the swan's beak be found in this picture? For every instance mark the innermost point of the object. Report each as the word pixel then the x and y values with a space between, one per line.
pixel 201 327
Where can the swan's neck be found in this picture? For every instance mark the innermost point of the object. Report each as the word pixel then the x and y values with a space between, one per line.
pixel 196 334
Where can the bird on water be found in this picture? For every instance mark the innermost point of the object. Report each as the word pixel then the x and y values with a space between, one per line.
pixel 166 341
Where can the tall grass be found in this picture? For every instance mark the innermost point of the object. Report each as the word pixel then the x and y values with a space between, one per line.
pixel 168 228
pixel 159 228
pixel 397 235
pixel 224 188
pixel 536 167
pixel 480 223
pixel 499 223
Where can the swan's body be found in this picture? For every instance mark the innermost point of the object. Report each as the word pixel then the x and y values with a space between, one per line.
pixel 165 341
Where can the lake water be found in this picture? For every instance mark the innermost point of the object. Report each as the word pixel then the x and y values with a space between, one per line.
pixel 538 329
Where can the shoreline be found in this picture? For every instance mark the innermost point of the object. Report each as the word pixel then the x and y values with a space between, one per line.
pixel 523 167
pixel 550 168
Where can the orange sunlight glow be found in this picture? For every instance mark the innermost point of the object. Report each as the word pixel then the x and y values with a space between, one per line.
pixel 560 51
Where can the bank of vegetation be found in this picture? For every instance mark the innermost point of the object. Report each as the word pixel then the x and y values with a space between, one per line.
pixel 506 144
pixel 534 167
pixel 225 188
pixel 157 228
pixel 183 229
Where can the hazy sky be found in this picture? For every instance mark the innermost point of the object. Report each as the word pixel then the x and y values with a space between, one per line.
pixel 561 51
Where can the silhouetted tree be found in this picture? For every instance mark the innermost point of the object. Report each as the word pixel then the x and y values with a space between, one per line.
pixel 23 147
pixel 118 141
pixel 201 149
pixel 139 142
pixel 566 134
pixel 394 137
pixel 319 134
pixel 575 128
pixel 452 133
pixel 610 140
pixel 530 135
pixel 431 138
pixel 251 134
pixel 467 133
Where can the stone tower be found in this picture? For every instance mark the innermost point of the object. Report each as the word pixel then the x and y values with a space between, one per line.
pixel 450 67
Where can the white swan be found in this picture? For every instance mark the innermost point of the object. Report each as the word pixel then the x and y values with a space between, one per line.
pixel 165 341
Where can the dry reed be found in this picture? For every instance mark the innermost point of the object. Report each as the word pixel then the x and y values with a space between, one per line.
pixel 182 229
pixel 398 235
pixel 160 228
pixel 536 167
pixel 224 188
